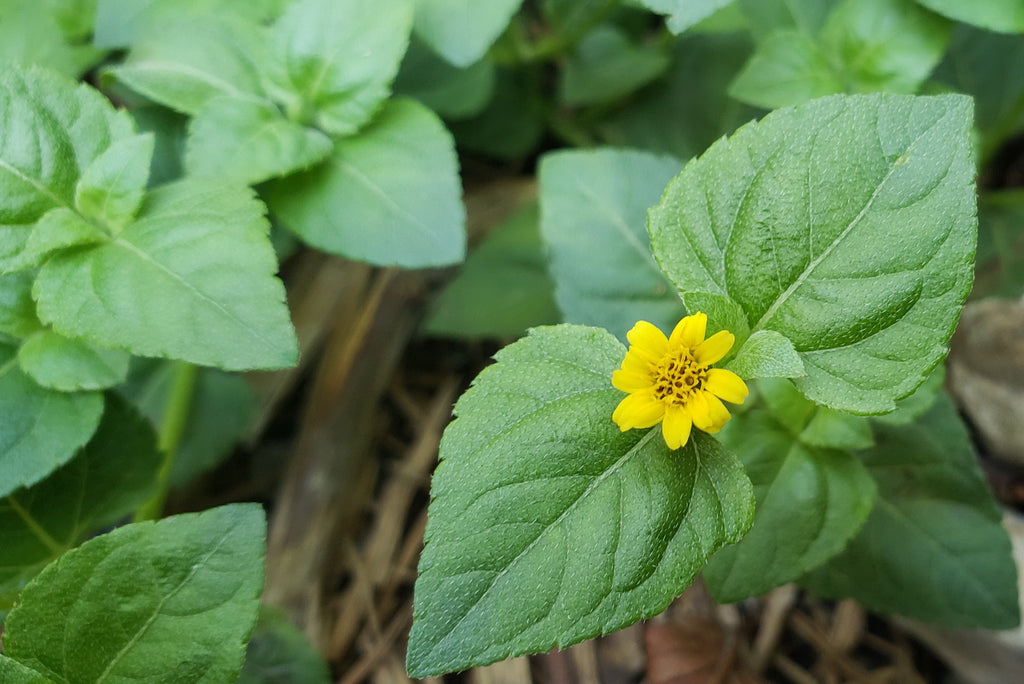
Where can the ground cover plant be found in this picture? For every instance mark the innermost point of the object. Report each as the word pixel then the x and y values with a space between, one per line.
pixel 755 225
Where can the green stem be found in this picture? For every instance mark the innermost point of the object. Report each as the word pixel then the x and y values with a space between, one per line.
pixel 172 427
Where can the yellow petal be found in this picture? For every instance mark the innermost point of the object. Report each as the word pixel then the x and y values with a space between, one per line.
pixel 714 348
pixel 726 385
pixel 647 341
pixel 699 411
pixel 639 410
pixel 717 412
pixel 629 381
pixel 689 332
pixel 676 427
pixel 633 363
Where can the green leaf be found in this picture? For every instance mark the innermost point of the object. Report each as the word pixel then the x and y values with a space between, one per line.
pixel 390 195
pixel 833 429
pixel 249 141
pixel 847 225
pixel 123 23
pixel 13 672
pixel 512 123
pixel 172 600
pixel 1005 16
pixel 39 429
pixel 453 92
pixel 933 548
pixel 191 279
pixel 1000 243
pixel 460 31
pixel 278 653
pixel 503 288
pixel 69 365
pixel 910 408
pixel 723 314
pixel 767 17
pixel 185 61
pixel 787 68
pixel 109 478
pixel 335 62
pixel 547 525
pixel 607 65
pixel 810 502
pixel 884 45
pixel 31 34
pixel 58 229
pixel 593 205
pixel 682 14
pixel 17 310
pixel 111 188
pixel 767 354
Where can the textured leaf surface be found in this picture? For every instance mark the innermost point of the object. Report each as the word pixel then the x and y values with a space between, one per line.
pixel 173 600
pixel 39 429
pixel 192 278
pixel 249 141
pixel 767 354
pixel 847 225
pixel 549 526
pixel 1006 16
pixel 108 479
pixel 810 502
pixel 68 365
pixel 335 61
pixel 461 31
pixel 934 548
pixel 13 672
pixel 593 205
pixel 390 195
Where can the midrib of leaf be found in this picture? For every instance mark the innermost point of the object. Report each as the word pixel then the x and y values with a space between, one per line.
pixel 192 288
pixel 345 167
pixel 620 225
pixel 176 67
pixel 36 184
pixel 156 612
pixel 591 487
pixel 809 270
pixel 37 530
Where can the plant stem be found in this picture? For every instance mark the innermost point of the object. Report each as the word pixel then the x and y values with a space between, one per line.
pixel 172 427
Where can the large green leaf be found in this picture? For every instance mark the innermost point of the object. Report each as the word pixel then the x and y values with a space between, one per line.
pixel 593 205
pixel 1006 16
pixel 461 31
pixel 40 429
pixel 192 278
pixel 249 141
pixel 810 502
pixel 390 195
pixel 172 600
pixel 335 61
pixel 108 479
pixel 933 548
pixel 787 68
pixel 682 14
pixel 547 524
pixel 847 225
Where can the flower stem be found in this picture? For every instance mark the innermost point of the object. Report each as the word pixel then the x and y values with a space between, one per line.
pixel 172 427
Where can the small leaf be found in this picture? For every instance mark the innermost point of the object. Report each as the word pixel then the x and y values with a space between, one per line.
pixel 108 479
pixel 335 62
pixel 58 229
pixel 503 288
pixel 593 209
pixel 462 32
pixel 39 429
pixel 191 278
pixel 934 548
pixel 389 196
pixel 847 225
pixel 606 65
pixel 69 365
pixel 172 600
pixel 111 188
pixel 767 354
pixel 810 502
pixel 278 653
pixel 1005 16
pixel 17 310
pixel 547 525
pixel 788 68
pixel 682 14
pixel 249 141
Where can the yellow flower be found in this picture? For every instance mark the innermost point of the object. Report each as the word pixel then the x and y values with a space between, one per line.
pixel 670 380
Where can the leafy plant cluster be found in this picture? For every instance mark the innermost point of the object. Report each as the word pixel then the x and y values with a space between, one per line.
pixel 158 157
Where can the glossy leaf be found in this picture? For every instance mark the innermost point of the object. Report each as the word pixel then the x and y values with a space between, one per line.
pixel 69 365
pixel 593 205
pixel 547 525
pixel 192 278
pixel 460 31
pixel 40 429
pixel 934 548
pixel 108 479
pixel 847 225
pixel 173 600
pixel 390 195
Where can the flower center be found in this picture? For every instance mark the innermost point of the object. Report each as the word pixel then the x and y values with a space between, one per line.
pixel 677 376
